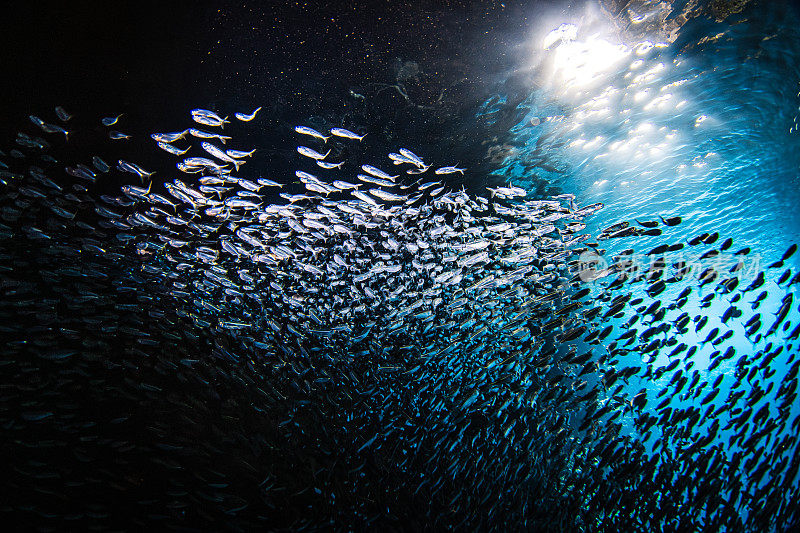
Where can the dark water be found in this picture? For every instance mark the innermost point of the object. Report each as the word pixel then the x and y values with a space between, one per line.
pixel 154 378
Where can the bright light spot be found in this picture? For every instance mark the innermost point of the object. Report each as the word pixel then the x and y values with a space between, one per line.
pixel 643 47
pixel 580 63
pixel 577 142
pixel 636 64
pixel 564 33
pixel 649 75
pixel 593 143
pixel 659 102
pixel 700 120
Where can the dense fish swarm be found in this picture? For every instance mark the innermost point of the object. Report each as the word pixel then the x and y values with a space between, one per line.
pixel 376 352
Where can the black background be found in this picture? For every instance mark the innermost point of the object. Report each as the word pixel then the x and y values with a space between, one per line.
pixel 156 60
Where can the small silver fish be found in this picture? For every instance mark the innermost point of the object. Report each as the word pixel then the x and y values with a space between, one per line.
pixel 387 196
pixel 316 187
pixel 378 173
pixel 118 135
pixel 208 135
pixel 247 118
pixel 347 134
pixel 419 170
pixel 200 162
pixel 376 181
pixel 306 176
pixel 294 197
pixel 449 170
pixel 49 128
pixel 365 197
pixel 268 183
pixel 100 165
pixel 399 159
pixel 313 154
pixel 239 154
pixel 412 156
pixel 326 165
pixel 133 168
pixel 219 154
pixel 110 121
pixel 429 185
pixel 62 114
pixel 171 149
pixel 169 137
pixel 211 180
pixel 344 185
pixel 305 130
pixel 208 118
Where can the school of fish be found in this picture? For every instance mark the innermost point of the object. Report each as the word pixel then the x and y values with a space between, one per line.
pixel 351 347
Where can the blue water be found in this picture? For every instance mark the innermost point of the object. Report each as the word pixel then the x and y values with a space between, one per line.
pixel 661 116
pixel 700 129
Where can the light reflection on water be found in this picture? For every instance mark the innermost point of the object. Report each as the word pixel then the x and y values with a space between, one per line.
pixel 696 118
pixel 653 124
